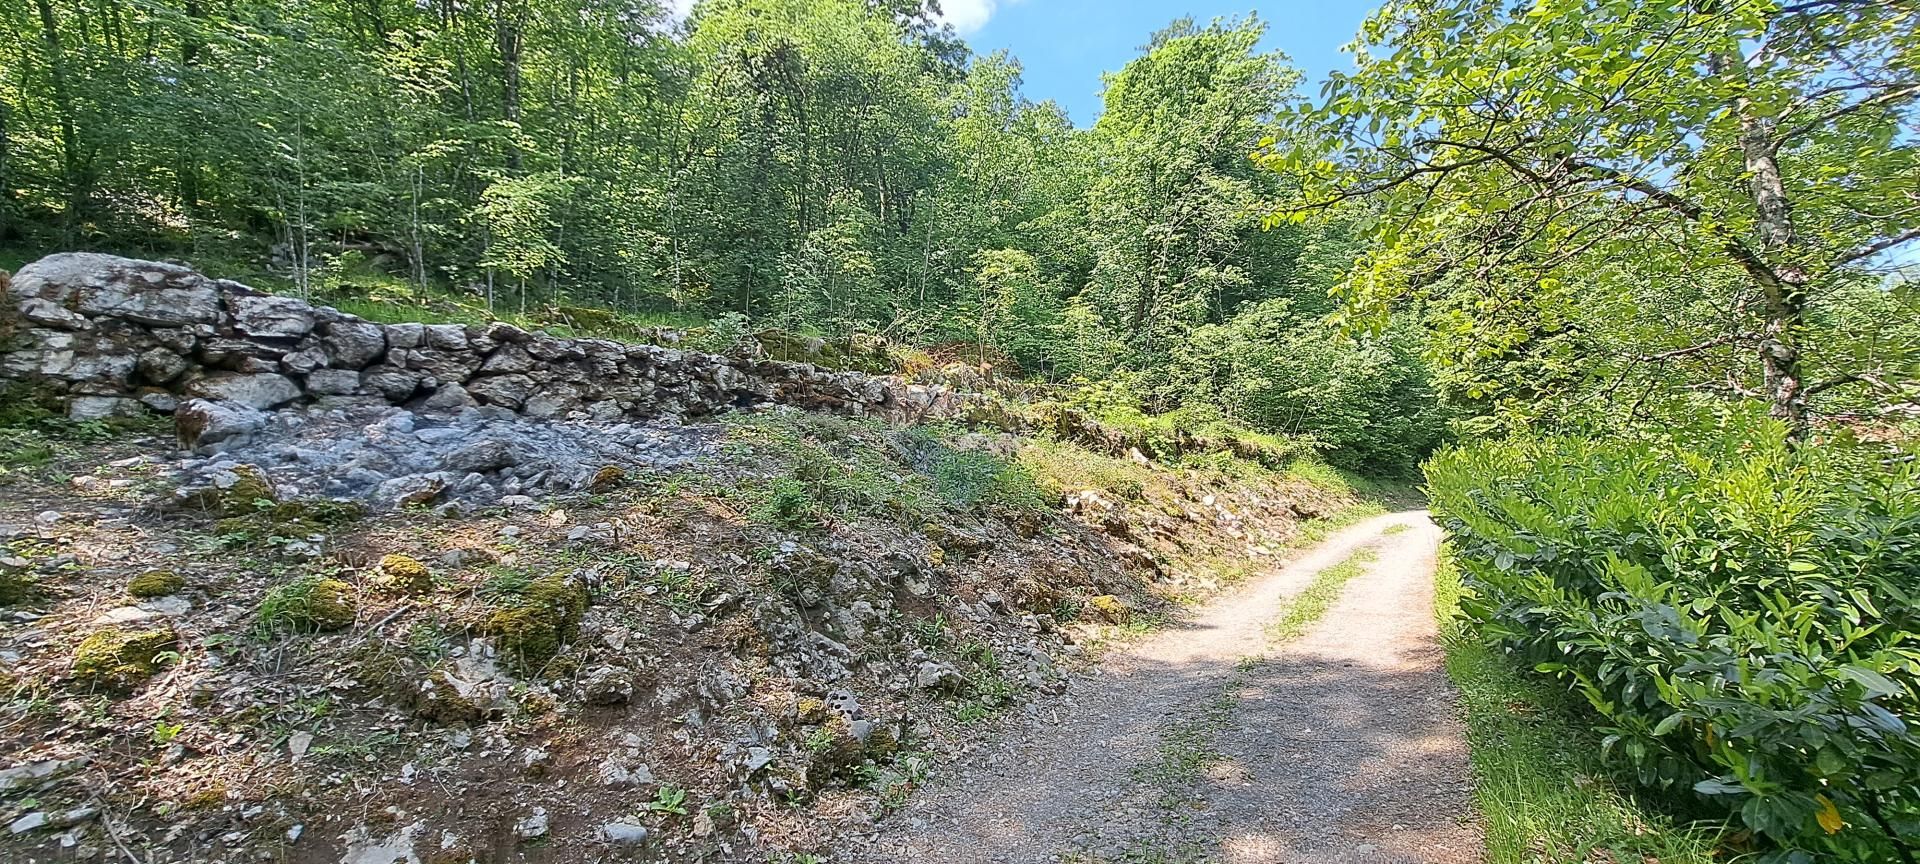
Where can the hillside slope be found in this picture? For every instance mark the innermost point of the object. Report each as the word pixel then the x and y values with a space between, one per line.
pixel 663 635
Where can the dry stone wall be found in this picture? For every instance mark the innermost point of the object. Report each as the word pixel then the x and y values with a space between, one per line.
pixel 119 336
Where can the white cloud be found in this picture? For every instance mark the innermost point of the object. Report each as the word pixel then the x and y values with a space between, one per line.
pixel 967 16
pixel 679 9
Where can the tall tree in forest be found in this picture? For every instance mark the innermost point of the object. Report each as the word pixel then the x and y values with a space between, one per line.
pixel 1756 156
pixel 1174 203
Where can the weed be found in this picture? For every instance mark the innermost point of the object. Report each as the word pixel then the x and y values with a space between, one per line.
pixel 164 732
pixel 669 799
pixel 306 605
pixel 786 503
pixel 1303 610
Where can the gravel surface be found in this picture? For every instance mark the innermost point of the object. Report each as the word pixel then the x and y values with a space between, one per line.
pixel 1208 743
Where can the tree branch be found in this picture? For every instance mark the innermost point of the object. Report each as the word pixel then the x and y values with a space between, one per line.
pixel 1877 247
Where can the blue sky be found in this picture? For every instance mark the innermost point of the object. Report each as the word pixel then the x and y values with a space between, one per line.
pixel 1064 45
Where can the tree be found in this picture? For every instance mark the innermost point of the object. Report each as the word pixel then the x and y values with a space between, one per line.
pixel 1510 150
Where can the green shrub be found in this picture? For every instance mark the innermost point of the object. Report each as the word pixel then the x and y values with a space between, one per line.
pixel 1739 613
pixel 974 478
pixel 309 604
pixel 786 503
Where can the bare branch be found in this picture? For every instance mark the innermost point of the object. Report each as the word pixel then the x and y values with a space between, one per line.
pixel 1877 247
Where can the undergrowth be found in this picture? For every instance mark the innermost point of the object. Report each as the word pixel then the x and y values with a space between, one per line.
pixel 1544 795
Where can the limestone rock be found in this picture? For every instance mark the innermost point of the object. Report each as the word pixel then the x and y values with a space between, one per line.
pixel 353 344
pixel 264 316
pixel 510 391
pixel 144 292
pixel 260 391
pixel 160 366
pixel 202 424
pixel 333 382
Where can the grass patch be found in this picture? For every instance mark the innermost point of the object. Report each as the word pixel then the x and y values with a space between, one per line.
pixel 1309 605
pixel 1542 790
pixel 1314 531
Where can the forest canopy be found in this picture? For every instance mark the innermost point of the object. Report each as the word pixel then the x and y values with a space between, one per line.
pixel 1442 241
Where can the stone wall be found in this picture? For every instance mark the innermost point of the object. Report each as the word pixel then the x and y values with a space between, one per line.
pixel 119 336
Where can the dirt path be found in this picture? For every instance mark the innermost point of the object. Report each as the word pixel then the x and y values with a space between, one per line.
pixel 1208 743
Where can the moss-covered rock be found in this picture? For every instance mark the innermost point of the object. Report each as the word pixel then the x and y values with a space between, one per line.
pixel 117 658
pixel 1110 608
pixel 249 494
pixel 531 632
pixel 156 583
pixel 310 604
pixel 403 574
pixel 607 479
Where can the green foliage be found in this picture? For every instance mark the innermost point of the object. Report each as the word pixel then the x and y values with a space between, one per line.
pixel 787 503
pixel 1544 792
pixel 1647 220
pixel 1738 613
pixel 307 605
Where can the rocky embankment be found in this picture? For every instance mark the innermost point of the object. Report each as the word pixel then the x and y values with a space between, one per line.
pixel 456 594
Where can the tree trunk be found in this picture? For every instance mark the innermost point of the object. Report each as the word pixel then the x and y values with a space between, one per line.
pixel 70 160
pixel 6 179
pixel 1785 291
pixel 187 160
pixel 508 35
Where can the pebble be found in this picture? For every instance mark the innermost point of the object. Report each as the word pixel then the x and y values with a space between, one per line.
pixel 623 833
pixel 535 825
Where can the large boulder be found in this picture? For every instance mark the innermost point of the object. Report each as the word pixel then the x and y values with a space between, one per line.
pixel 203 425
pixel 144 292
pixel 258 391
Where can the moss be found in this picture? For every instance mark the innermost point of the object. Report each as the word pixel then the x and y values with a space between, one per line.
pixel 15 587
pixel 118 658
pixel 1111 608
pixel 244 497
pixel 334 513
pixel 310 604
pixel 531 632
pixel 156 583
pixel 810 709
pixel 607 478
pixel 404 574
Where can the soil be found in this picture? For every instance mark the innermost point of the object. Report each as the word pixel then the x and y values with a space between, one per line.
pixel 1209 743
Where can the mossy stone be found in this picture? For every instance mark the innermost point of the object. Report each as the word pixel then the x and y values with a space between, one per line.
pixel 405 574
pixel 1111 608
pixel 530 633
pixel 331 605
pixel 156 583
pixel 607 478
pixel 244 497
pixel 120 658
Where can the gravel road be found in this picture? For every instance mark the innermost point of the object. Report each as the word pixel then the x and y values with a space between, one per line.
pixel 1209 742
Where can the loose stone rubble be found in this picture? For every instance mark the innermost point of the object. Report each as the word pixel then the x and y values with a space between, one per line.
pixel 387 456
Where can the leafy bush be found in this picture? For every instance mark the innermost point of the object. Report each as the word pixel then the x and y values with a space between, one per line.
pixel 1741 615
